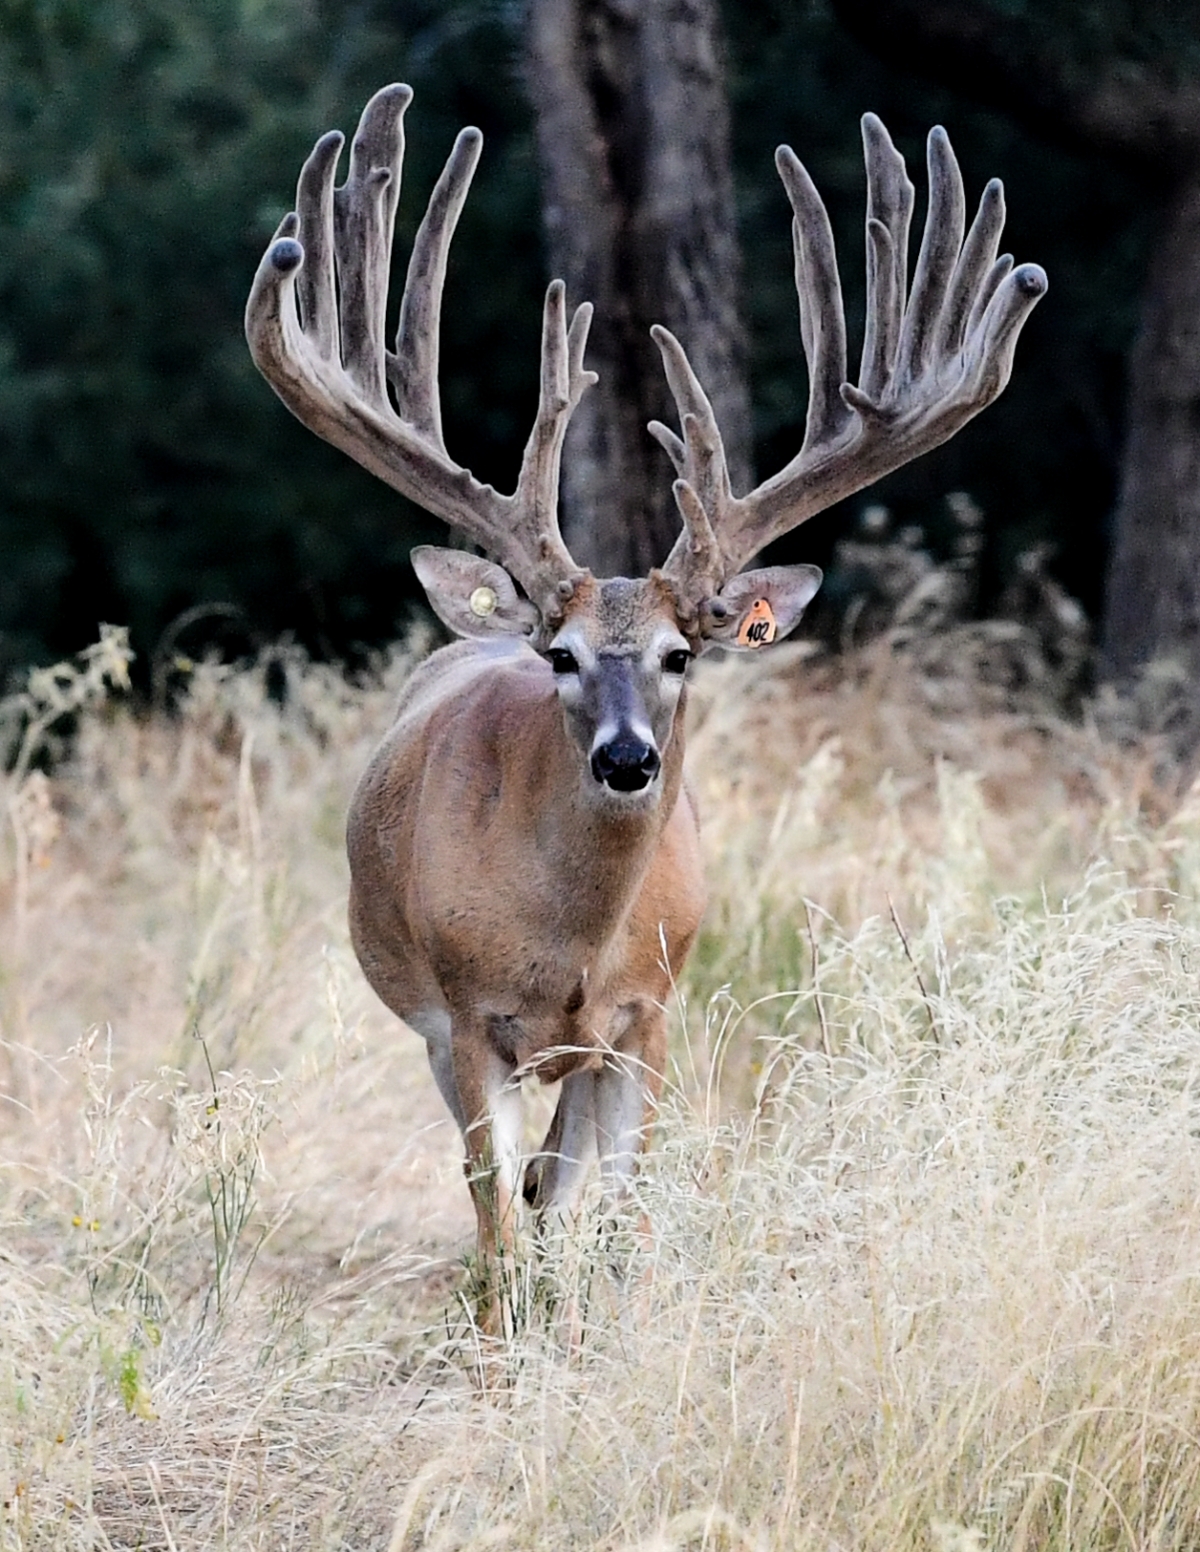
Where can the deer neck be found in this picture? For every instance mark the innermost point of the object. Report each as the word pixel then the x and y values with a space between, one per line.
pixel 599 851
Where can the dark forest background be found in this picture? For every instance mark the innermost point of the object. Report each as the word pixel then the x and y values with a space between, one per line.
pixel 149 147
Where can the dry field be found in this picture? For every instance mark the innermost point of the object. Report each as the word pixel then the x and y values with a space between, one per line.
pixel 926 1259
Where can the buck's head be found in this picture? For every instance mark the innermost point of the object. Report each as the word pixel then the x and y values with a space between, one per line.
pixel 619 650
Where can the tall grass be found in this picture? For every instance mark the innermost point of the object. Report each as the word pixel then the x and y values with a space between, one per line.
pixel 925 1258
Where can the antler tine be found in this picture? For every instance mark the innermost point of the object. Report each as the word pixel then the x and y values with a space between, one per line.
pixel 999 271
pixel 975 264
pixel 364 211
pixel 315 325
pixel 941 247
pixel 696 563
pixel 700 457
pixel 988 355
pixel 413 367
pixel 702 493
pixel 316 284
pixel 551 573
pixel 889 214
pixel 819 292
pixel 930 361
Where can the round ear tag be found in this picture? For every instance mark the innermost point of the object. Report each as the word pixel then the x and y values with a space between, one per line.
pixel 483 602
pixel 758 627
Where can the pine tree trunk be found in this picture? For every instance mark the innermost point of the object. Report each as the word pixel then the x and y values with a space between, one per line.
pixel 1153 604
pixel 633 139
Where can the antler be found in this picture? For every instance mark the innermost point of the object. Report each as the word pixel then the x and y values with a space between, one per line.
pixel 315 325
pixel 929 363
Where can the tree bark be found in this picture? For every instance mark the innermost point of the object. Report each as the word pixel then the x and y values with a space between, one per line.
pixel 1153 596
pixel 633 141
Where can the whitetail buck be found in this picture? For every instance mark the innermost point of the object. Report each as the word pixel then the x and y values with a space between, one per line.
pixel 525 870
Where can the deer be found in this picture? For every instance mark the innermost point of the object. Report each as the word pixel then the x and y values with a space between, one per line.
pixel 526 877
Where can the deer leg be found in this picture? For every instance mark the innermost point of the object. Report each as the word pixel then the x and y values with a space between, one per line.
pixel 492 1103
pixel 554 1180
pixel 539 1169
pixel 433 1025
pixel 627 1090
pixel 566 1155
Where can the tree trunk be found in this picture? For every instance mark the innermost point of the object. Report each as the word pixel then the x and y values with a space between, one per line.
pixel 1153 602
pixel 633 139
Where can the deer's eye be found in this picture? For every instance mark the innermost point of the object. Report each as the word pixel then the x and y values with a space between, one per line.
pixel 676 662
pixel 562 661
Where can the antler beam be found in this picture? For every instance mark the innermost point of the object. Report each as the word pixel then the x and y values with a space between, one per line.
pixel 933 357
pixel 315 325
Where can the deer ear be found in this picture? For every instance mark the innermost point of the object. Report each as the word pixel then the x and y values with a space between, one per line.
pixel 756 608
pixel 472 596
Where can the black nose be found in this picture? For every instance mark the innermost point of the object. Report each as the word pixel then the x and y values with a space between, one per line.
pixel 625 764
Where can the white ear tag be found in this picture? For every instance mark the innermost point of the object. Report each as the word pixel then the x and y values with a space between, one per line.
pixel 483 602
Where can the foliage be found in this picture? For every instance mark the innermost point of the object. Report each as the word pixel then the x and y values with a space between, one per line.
pixel 149 148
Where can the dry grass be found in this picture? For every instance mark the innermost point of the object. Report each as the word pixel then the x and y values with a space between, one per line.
pixel 924 1193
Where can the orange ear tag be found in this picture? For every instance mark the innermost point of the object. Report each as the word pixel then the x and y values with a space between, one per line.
pixel 758 627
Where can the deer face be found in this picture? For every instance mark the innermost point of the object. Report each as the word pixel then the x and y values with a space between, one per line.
pixel 619 661
pixel 619 649
pixel 616 651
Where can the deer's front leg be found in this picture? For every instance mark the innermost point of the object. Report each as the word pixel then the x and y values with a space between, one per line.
pixel 627 1091
pixel 491 1104
pixel 557 1177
